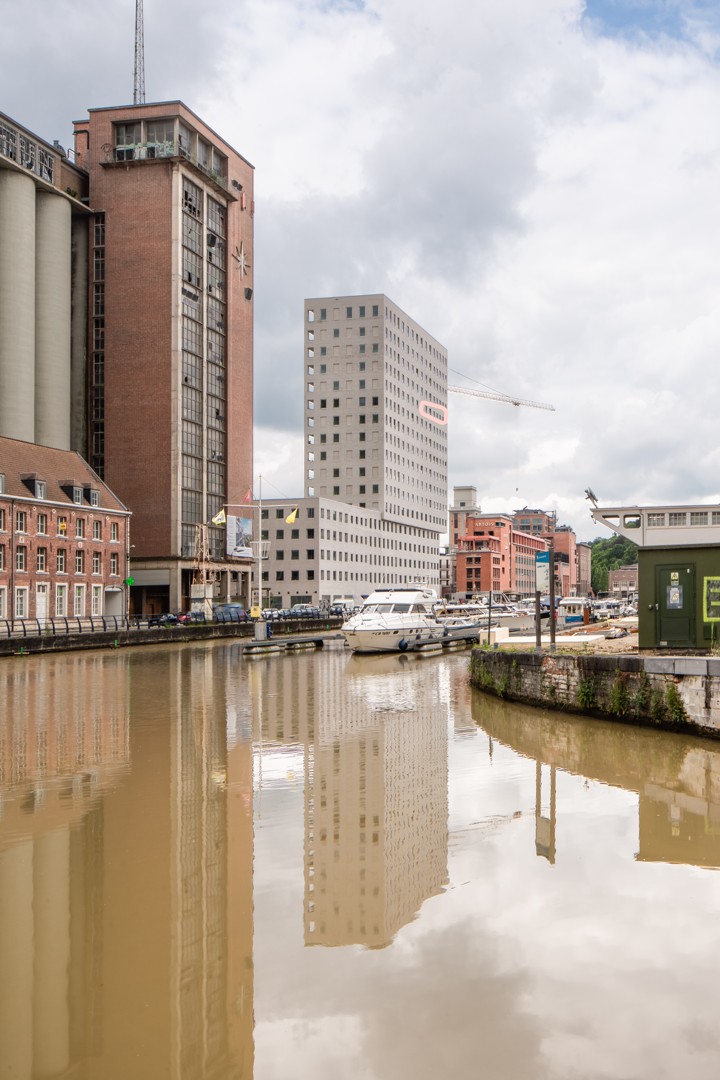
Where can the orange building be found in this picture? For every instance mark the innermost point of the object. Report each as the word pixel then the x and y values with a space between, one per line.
pixel 493 555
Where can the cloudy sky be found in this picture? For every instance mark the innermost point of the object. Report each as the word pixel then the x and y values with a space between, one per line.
pixel 534 181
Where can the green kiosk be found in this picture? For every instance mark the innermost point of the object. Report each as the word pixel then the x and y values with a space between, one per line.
pixel 678 572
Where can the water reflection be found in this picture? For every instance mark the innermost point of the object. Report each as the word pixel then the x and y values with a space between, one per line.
pixel 125 869
pixel 677 779
pixel 321 866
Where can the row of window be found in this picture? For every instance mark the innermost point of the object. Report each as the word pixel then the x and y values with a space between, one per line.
pixel 61 525
pixel 21 602
pixel 22 561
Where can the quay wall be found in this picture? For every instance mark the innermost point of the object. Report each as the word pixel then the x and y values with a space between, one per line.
pixel 674 693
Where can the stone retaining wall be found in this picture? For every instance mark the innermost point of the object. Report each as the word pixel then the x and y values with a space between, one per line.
pixel 676 693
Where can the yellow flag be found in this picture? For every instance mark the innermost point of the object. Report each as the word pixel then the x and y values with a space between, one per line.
pixel 219 518
pixel 291 516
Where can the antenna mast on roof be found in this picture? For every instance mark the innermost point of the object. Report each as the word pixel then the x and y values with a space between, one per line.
pixel 139 75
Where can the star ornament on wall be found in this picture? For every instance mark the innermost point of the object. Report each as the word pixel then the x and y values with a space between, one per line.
pixel 241 259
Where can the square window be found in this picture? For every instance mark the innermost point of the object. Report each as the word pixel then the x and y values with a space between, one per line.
pixel 336 437
pixel 336 491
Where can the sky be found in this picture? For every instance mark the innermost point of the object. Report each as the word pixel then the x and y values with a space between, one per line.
pixel 534 181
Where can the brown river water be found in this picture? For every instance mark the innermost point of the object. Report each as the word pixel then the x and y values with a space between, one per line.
pixel 327 867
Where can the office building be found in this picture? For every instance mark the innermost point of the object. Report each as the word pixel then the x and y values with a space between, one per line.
pixel 375 429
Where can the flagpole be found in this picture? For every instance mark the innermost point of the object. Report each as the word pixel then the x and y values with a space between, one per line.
pixel 259 543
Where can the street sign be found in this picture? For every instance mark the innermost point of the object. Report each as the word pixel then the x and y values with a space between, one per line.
pixel 542 572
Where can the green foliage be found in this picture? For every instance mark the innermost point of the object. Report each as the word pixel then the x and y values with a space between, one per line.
pixel 609 554
pixel 619 698
pixel 587 694
pixel 642 697
pixel 675 707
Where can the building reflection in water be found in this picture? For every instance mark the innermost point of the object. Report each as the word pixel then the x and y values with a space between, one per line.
pixel 676 778
pixel 375 787
pixel 125 868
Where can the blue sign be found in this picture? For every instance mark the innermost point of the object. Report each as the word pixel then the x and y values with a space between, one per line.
pixel 542 571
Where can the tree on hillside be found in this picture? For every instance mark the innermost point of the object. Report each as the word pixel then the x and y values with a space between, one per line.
pixel 609 554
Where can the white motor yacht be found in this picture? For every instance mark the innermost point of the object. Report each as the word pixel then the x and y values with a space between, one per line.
pixel 402 620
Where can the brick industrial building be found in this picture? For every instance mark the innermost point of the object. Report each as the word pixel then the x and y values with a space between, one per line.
pixel 126 324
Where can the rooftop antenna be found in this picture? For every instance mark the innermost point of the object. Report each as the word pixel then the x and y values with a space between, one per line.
pixel 139 74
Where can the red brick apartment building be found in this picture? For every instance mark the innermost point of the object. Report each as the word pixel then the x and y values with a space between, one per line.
pixel 170 388
pixel 492 554
pixel 63 536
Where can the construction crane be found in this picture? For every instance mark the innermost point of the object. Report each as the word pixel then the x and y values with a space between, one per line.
pixel 500 397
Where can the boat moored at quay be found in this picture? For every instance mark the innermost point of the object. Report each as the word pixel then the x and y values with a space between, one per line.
pixel 404 620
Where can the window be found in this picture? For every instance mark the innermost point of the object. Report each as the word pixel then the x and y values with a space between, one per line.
pixel 362 401
pixel 375 310
pixel 279 575
pixel 294 554
pixel 77 495
pixel 79 601
pixel 336 491
pixel 3 603
pixel 21 558
pixel 97 530
pixel 96 600
pixel 113 530
pixel 336 472
pixel 310 534
pixel 279 512
pixel 294 575
pixel 80 528
pixel 42 560
pixel 348 312
pixel 2 521
pixel 97 562
pixel 376 490
pixel 2 556
pixel 310 553
pixel 361 311
pixel 21 521
pixel 114 559
pixel 311 512
pixel 676 519
pixel 60 560
pixel 79 562
pixel 42 523
pixel 62 526
pixel 280 555
pixel 21 603
pixel 698 518
pixel 336 332
pixel 61 600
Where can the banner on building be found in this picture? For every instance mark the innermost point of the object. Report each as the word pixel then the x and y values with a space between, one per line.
pixel 239 537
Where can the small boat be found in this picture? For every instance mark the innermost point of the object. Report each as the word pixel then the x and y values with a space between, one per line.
pixel 403 620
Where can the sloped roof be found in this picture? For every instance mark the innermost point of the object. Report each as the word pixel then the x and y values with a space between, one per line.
pixel 20 460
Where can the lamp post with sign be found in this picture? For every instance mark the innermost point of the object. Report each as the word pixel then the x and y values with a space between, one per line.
pixel 542 585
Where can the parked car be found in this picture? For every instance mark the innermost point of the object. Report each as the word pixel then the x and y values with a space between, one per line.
pixel 167 619
pixel 304 611
pixel 337 609
pixel 230 613
pixel 186 617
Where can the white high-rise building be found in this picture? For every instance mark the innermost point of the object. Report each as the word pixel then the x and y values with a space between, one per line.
pixel 375 487
pixel 376 411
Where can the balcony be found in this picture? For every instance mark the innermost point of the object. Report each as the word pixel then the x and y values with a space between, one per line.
pixel 153 151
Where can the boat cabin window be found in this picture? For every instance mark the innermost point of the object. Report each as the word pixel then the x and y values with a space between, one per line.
pixel 401 607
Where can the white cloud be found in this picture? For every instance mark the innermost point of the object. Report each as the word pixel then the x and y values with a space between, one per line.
pixel 542 198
